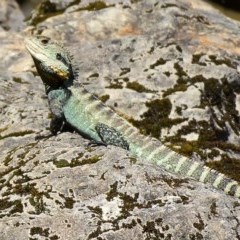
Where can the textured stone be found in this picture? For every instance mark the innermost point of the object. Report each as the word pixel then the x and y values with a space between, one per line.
pixel 173 65
pixel 11 18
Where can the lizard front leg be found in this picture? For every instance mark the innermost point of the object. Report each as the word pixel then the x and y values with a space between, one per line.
pixel 56 99
pixel 110 136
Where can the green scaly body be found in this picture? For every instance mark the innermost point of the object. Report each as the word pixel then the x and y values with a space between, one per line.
pixel 71 103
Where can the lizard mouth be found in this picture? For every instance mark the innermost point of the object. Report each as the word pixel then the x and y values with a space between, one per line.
pixel 36 50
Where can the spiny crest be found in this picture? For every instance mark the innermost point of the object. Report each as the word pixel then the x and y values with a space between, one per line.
pixel 73 62
pixel 71 58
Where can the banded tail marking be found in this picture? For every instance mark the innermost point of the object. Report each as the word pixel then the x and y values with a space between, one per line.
pixel 204 174
pixel 147 147
pixel 156 151
pixel 120 124
pixel 181 161
pixel 193 167
pixel 229 186
pixel 237 191
pixel 218 180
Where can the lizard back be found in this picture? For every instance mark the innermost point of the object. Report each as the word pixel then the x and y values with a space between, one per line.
pixel 84 111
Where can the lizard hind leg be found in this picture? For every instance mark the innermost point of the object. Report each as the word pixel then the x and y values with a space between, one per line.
pixel 110 136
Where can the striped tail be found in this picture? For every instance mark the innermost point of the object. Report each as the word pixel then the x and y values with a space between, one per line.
pixel 154 151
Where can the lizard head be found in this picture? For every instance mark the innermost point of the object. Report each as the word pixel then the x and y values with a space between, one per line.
pixel 52 61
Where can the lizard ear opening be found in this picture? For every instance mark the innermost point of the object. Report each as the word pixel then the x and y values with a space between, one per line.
pixel 62 59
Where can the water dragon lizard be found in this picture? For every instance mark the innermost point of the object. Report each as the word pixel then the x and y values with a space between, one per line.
pixel 70 103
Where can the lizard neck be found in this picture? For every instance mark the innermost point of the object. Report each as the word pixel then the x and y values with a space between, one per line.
pixel 55 79
pixel 65 85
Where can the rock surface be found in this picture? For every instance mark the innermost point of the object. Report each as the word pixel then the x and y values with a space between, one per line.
pixel 172 69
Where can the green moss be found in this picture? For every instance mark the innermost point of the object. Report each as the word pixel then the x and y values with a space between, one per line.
pixel 183 78
pixel 44 10
pixel 36 198
pixel 183 81
pixel 188 147
pixel 138 87
pixel 178 110
pixel 94 75
pixel 156 118
pixel 227 165
pixel 115 84
pixel 39 231
pixel 199 225
pixel 129 203
pixel 179 48
pixel 95 233
pixel 8 158
pixel 61 163
pixel 54 237
pixel 213 209
pixel 3 129
pixel 13 206
pixel 24 189
pixel 168 5
pixel 97 210
pixel 74 2
pixel 94 6
pixel 196 59
pixel 196 236
pixel 37 202
pixel 202 19
pixel 176 88
pixel 160 61
pixel 78 161
pixel 151 50
pixel 104 98
pixel 135 1
pixel 130 225
pixel 152 231
pixel 213 153
pixel 124 71
pixel 17 79
pixel 112 192
pixel 69 201
pixel 133 160
pixel 49 115
pixel 174 182
pixel 221 94
pixel 21 156
pixel 218 61
pixel 17 134
pixel 198 78
pixel 168 74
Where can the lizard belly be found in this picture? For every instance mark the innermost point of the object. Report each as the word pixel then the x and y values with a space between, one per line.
pixel 78 116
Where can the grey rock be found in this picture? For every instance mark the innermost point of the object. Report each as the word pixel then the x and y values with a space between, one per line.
pixel 170 63
pixel 11 17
